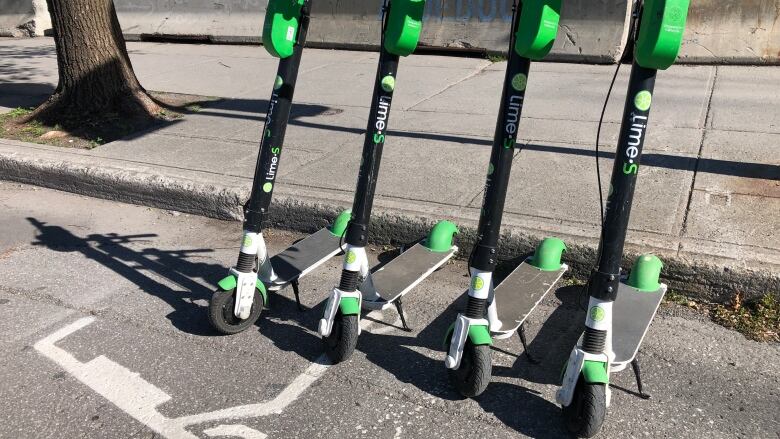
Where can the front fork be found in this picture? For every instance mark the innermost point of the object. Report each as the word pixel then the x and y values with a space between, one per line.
pixel 253 251
pixel 592 356
pixel 472 324
pixel 347 297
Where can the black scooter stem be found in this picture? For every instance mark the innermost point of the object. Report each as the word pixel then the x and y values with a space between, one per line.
pixel 272 139
pixel 379 116
pixel 504 143
pixel 605 280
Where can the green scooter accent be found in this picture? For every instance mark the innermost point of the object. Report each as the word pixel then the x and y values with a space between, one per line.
pixel 645 273
pixel 478 335
pixel 349 306
pixel 229 283
pixel 538 25
pixel 281 26
pixel 548 254
pixel 404 25
pixel 661 33
pixel 595 372
pixel 340 223
pixel 440 236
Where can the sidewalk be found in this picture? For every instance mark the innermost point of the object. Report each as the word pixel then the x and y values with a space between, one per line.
pixel 707 200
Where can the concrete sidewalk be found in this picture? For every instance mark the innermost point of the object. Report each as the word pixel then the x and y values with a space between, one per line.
pixel 707 201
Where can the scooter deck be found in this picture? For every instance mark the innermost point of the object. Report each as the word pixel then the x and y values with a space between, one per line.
pixel 520 292
pixel 306 255
pixel 404 272
pixel 633 311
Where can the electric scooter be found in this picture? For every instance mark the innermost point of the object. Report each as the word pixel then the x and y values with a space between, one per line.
pixel 620 310
pixel 241 296
pixel 360 287
pixel 501 311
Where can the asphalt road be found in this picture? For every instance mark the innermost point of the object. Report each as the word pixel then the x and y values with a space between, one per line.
pixel 102 312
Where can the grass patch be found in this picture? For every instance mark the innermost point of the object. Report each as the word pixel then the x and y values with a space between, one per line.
pixel 18 111
pixel 758 320
pixel 88 132
pixel 496 58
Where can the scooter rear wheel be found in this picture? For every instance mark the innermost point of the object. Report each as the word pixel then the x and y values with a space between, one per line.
pixel 222 317
pixel 472 377
pixel 585 415
pixel 341 342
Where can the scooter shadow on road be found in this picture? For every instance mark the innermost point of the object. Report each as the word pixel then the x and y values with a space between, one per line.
pixel 520 408
pixel 143 268
pixel 405 357
pixel 291 329
pixel 552 344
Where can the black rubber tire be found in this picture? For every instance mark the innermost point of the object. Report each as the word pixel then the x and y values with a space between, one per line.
pixel 221 314
pixel 585 415
pixel 341 342
pixel 472 377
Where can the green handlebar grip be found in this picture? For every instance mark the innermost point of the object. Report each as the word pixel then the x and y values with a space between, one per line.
pixel 660 33
pixel 281 26
pixel 537 29
pixel 645 273
pixel 404 24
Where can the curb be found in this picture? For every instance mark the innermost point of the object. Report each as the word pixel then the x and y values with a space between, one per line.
pixel 308 210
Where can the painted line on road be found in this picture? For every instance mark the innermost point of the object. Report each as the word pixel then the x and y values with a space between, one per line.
pixel 237 430
pixel 140 399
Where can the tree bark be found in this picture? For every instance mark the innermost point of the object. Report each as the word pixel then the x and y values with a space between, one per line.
pixel 95 73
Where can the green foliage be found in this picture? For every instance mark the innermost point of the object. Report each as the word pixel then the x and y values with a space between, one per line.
pixel 18 111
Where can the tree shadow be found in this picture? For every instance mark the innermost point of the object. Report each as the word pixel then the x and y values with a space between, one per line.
pixel 24 95
pixel 170 275
pixel 184 283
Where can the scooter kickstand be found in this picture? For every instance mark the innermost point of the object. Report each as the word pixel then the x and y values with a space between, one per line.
pixel 521 333
pixel 638 375
pixel 297 294
pixel 400 308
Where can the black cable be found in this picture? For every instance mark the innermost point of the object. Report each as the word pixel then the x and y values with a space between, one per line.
pixel 598 136
pixel 636 6
pixel 344 233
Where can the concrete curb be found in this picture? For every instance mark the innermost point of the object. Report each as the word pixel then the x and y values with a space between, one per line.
pixel 307 210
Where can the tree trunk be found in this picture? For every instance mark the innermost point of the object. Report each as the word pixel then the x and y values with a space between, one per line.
pixel 95 73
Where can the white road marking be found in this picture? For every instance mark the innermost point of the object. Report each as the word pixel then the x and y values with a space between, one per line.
pixel 140 399
pixel 237 430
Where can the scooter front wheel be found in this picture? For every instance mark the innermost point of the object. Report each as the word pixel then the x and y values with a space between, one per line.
pixel 585 415
pixel 472 377
pixel 222 316
pixel 342 340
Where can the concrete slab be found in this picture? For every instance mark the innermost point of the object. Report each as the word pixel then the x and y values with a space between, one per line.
pixel 543 185
pixel 740 220
pixel 740 163
pixel 742 99
pixel 408 172
pixel 242 120
pixel 223 77
pixel 567 93
pixel 351 84
pixel 736 198
pixel 479 129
